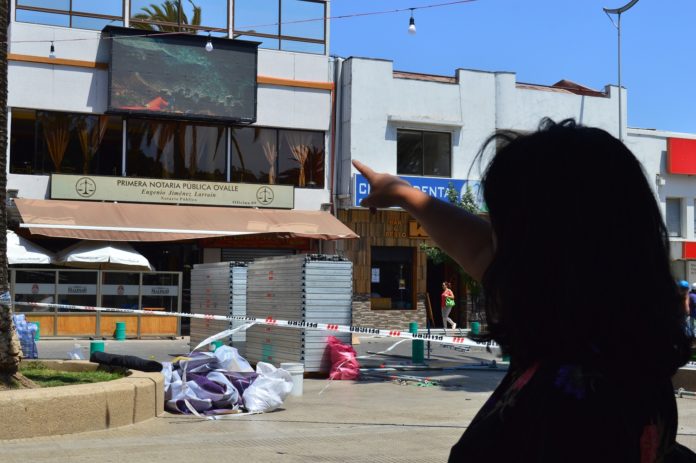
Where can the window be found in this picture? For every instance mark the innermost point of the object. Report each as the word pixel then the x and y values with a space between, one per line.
pixel 201 16
pixel 287 157
pixel 160 291
pixel 120 289
pixel 293 25
pixel 43 142
pixel 178 150
pixel 392 277
pixel 82 14
pixel 77 287
pixel 673 212
pixel 34 286
pixel 423 153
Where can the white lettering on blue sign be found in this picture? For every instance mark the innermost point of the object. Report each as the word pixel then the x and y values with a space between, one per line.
pixel 435 187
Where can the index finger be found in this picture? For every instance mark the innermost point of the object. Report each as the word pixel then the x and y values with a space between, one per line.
pixel 363 169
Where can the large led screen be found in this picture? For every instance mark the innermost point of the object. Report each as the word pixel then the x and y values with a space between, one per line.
pixel 174 76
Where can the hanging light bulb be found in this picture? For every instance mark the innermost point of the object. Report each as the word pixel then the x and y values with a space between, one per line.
pixel 412 24
pixel 52 52
pixel 209 44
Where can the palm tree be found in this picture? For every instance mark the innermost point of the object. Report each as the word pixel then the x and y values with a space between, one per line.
pixel 10 350
pixel 167 17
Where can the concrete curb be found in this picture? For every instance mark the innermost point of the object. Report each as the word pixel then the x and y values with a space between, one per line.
pixel 84 407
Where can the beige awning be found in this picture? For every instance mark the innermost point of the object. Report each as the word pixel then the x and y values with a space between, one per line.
pixel 152 222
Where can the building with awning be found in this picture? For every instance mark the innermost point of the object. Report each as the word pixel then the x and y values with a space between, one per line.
pixel 159 223
pixel 209 145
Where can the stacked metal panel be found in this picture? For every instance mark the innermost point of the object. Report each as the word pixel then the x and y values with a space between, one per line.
pixel 310 288
pixel 218 289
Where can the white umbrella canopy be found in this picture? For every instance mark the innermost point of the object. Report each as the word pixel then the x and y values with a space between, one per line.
pixel 103 255
pixel 23 251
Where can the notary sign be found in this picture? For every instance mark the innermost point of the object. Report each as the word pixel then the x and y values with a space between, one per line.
pixel 148 190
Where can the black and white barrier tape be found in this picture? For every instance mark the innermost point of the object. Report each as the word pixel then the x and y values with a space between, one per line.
pixel 270 321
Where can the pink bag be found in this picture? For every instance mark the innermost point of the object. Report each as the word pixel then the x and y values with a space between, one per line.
pixel 344 364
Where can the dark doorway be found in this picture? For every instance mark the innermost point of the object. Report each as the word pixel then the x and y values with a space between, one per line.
pixel 436 275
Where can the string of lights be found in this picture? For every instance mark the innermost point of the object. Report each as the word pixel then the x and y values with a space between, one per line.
pixel 247 28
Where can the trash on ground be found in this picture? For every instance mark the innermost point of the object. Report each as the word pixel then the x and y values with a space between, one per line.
pixel 76 353
pixel 129 362
pixel 26 331
pixel 269 389
pixel 344 362
pixel 222 382
pixel 403 380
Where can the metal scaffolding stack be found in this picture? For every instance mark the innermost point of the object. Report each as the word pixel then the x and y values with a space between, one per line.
pixel 218 289
pixel 309 288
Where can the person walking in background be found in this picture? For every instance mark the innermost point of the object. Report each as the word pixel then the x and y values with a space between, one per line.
pixel 685 294
pixel 565 203
pixel 446 305
pixel 692 310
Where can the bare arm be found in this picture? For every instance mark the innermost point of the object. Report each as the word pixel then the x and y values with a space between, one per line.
pixel 463 236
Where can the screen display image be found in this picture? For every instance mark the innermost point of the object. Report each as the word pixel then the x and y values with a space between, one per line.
pixel 174 75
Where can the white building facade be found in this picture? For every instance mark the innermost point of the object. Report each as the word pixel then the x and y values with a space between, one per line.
pixel 429 129
pixel 67 136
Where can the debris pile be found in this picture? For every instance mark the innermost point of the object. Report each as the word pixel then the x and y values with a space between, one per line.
pixel 26 332
pixel 222 382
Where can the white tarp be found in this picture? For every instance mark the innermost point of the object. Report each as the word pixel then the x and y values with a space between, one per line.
pixel 103 255
pixel 23 251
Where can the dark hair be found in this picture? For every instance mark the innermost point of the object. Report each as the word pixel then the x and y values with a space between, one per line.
pixel 576 225
pixel 447 284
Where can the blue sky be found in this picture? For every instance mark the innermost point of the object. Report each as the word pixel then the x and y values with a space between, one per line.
pixel 543 41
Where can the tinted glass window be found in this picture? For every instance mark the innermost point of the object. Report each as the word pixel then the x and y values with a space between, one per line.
pixel 46 142
pixel 106 7
pixel 260 16
pixel 392 277
pixel 424 153
pixel 254 155
pixel 83 14
pixel 176 150
pixel 52 4
pixel 302 19
pixel 38 17
pixel 409 154
pixel 301 158
pixel 173 15
pixel 674 225
pixel 275 23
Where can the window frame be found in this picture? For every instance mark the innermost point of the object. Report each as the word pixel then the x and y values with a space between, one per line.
pixel 70 13
pixel 178 24
pixel 413 281
pixel 176 145
pixel 229 148
pixel 277 135
pixel 39 157
pixel 679 203
pixel 279 36
pixel 423 154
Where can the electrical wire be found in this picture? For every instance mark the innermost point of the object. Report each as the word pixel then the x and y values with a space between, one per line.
pixel 248 28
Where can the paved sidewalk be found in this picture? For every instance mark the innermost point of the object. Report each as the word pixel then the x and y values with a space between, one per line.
pixel 363 421
pixel 349 421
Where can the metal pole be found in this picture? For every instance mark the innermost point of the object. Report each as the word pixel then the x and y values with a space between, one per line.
pixel 620 90
pixel 618 12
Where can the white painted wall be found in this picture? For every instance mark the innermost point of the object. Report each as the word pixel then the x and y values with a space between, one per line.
pixel 29 186
pixel 650 147
pixel 376 105
pixel 311 199
pixel 522 108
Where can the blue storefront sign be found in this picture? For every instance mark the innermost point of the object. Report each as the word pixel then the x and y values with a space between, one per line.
pixel 435 187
